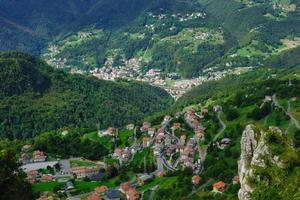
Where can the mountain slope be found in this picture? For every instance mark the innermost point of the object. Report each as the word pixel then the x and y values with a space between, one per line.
pixel 35 98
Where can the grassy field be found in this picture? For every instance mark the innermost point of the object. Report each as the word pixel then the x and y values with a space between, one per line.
pixel 82 163
pixel 43 187
pixel 163 182
pixel 126 137
pixel 105 140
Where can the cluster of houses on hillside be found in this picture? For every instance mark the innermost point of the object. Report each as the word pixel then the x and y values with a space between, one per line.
pixel 192 120
pixel 29 157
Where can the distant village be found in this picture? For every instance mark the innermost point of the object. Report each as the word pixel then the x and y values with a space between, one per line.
pixel 169 82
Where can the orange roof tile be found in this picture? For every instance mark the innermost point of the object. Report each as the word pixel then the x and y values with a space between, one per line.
pixel 219 185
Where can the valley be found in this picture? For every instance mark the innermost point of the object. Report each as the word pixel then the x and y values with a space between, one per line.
pixel 149 100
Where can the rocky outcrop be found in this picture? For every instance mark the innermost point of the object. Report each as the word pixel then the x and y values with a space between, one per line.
pixel 255 153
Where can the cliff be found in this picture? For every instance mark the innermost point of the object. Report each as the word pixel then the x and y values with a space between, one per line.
pixel 265 157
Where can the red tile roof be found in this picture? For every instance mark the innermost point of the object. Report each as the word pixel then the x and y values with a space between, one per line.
pixel 219 185
pixel 101 189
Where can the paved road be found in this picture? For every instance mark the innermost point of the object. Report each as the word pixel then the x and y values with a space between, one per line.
pixel 203 152
pixel 153 191
pixel 288 111
pixel 223 125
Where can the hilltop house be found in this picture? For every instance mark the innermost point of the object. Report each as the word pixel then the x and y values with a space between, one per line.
pixel 219 187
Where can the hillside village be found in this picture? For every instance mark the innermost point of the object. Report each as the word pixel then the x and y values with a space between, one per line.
pixel 171 148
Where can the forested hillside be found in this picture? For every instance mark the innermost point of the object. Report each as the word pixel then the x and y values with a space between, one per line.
pixel 36 98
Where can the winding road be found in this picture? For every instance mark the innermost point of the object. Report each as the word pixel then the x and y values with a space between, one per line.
pixel 288 111
pixel 223 125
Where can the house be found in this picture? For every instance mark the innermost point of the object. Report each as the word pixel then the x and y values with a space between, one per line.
pixel 196 180
pixel 118 153
pixel 126 154
pixel 124 187
pixel 182 139
pixel 38 156
pixel 200 134
pixel 225 142
pixel 26 148
pixel 146 142
pixel 151 131
pixel 219 187
pixel 101 190
pixel 47 178
pixel 112 131
pixel 25 159
pixel 47 196
pixel 32 176
pixel 167 118
pixel 176 126
pixel 132 194
pixel 160 174
pixel 113 194
pixel 69 185
pixel 130 126
pixel 93 196
pixel 143 179
pixel 159 138
pixel 268 98
pixel 146 126
pixel 235 180
pixel 82 172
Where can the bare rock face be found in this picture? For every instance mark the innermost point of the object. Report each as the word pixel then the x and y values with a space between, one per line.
pixel 254 153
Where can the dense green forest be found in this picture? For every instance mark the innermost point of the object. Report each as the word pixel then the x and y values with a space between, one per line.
pixel 36 98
